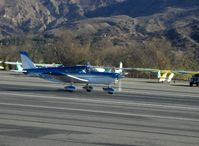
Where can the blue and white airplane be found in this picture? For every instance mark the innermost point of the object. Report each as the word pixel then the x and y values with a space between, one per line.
pixel 73 74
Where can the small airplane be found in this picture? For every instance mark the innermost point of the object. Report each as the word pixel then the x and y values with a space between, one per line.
pixel 165 75
pixel 85 74
pixel 19 67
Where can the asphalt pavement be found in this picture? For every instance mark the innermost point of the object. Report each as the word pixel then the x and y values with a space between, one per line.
pixel 142 112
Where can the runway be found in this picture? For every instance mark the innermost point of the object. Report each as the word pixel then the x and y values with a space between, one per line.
pixel 36 112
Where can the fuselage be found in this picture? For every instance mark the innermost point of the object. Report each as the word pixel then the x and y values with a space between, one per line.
pixel 84 72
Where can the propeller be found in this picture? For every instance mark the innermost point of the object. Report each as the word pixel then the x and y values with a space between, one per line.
pixel 120 85
pixel 119 80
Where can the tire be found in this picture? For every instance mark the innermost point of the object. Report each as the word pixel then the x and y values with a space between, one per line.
pixel 88 90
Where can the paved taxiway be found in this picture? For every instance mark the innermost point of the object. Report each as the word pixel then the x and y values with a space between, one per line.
pixel 35 112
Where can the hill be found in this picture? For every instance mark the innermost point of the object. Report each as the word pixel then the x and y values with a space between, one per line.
pixel 154 33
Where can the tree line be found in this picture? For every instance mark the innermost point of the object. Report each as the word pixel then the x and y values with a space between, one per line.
pixel 69 49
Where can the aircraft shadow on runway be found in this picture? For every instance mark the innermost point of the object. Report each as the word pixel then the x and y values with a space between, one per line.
pixel 18 88
pixel 53 91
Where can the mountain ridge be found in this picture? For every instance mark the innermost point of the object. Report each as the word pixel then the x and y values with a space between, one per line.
pixel 118 24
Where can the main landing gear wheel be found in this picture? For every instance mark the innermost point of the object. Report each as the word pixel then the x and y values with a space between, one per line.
pixel 109 90
pixel 88 88
pixel 70 88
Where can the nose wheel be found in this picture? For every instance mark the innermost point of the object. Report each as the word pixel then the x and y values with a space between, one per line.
pixel 109 90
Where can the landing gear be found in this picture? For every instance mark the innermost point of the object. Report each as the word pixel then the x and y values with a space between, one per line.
pixel 70 88
pixel 109 90
pixel 88 88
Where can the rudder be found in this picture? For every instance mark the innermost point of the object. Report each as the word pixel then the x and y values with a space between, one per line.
pixel 26 61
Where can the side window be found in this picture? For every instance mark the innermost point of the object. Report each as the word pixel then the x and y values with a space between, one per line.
pixel 82 70
pixel 88 70
pixel 70 70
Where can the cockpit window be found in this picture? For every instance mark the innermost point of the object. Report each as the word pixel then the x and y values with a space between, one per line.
pixel 100 69
pixel 79 70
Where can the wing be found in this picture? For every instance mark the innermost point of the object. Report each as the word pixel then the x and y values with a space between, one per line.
pixel 146 69
pixel 152 70
pixel 37 64
pixel 13 63
pixel 186 72
pixel 48 65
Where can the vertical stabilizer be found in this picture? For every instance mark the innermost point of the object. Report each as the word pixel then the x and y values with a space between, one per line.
pixel 163 77
pixel 170 77
pixel 159 74
pixel 26 61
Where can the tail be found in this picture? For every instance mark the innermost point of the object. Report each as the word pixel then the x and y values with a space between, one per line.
pixel 170 77
pixel 163 77
pixel 26 61
pixel 159 74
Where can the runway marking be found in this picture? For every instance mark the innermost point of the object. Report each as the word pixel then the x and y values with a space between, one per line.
pixel 101 112
pixel 104 101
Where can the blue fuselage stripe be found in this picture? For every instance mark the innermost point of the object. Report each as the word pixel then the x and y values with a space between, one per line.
pixel 76 71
